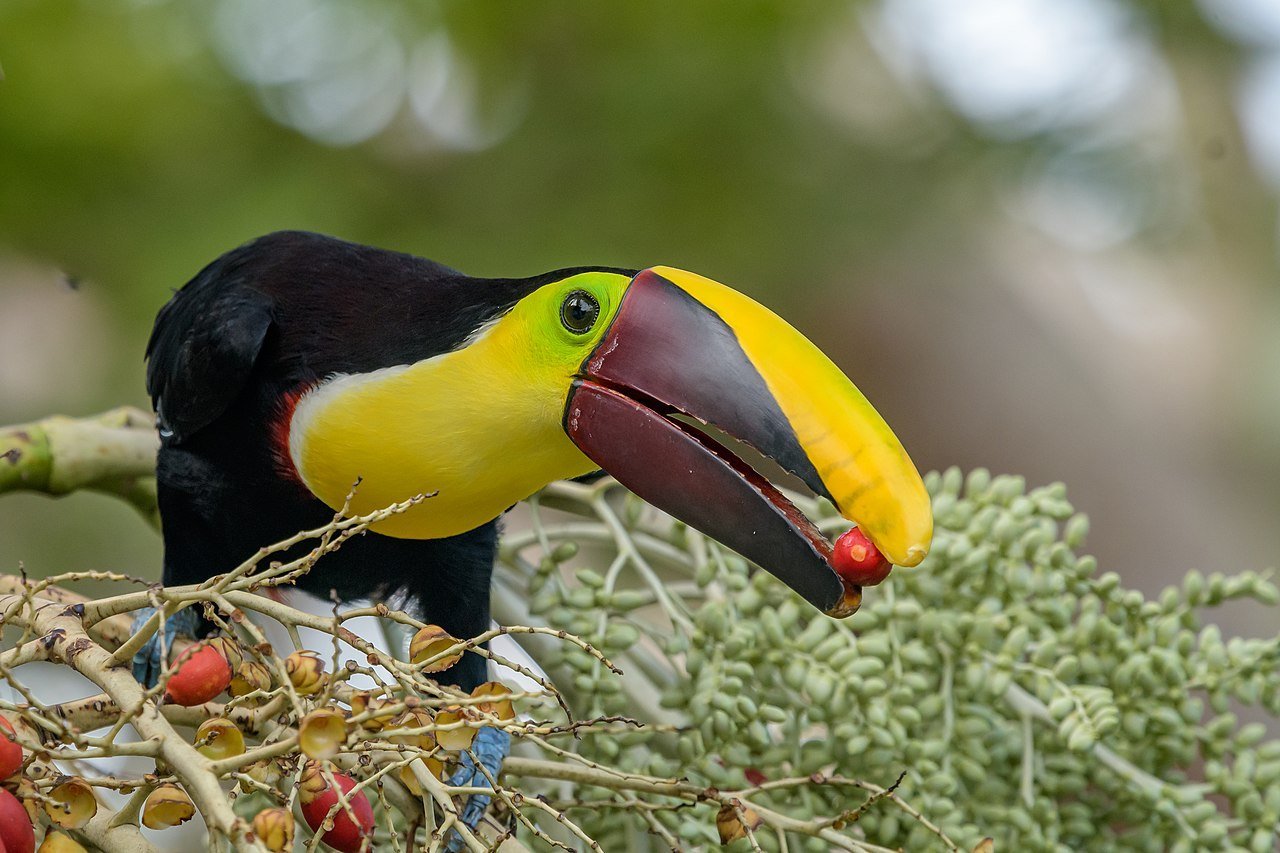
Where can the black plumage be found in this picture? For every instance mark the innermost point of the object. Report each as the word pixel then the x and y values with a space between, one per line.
pixel 228 357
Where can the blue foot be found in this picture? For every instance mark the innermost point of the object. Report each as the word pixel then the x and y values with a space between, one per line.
pixel 491 747
pixel 146 663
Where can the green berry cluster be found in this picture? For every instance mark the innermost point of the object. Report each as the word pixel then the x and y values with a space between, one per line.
pixel 1025 695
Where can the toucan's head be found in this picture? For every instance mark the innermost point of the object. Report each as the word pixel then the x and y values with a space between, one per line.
pixel 600 369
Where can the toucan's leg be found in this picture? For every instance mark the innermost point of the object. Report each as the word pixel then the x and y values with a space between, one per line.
pixel 457 601
pixel 489 749
pixel 147 663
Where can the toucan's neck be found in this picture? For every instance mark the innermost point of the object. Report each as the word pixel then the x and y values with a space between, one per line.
pixel 479 427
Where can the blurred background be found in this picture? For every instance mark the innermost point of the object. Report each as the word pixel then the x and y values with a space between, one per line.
pixel 1040 235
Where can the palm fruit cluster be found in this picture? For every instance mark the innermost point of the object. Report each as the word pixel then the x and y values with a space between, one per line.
pixel 1025 695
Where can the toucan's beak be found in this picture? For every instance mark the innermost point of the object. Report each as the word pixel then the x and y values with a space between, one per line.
pixel 681 344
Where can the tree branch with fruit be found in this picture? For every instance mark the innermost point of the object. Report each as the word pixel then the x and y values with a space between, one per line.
pixel 1005 688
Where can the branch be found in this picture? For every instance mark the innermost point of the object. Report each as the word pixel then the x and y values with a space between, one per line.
pixel 114 452
pixel 70 643
pixel 684 791
pixel 678 673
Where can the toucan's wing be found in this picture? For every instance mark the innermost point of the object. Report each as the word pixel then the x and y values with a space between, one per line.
pixel 203 348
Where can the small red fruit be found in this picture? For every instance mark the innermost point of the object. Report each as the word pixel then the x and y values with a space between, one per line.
pixel 317 797
pixel 16 833
pixel 858 561
pixel 201 674
pixel 10 752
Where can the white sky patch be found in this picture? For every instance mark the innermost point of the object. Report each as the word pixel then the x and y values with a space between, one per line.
pixel 342 73
pixel 444 96
pixel 332 71
pixel 1259 105
pixel 1077 207
pixel 1255 22
pixel 1021 65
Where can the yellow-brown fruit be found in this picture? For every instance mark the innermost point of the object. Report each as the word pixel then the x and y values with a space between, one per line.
pixel 274 829
pixel 59 842
pixel 409 780
pixel 168 805
pixel 414 718
pixel 77 805
pixel 306 672
pixel 312 782
pixel 498 700
pixel 29 795
pixel 266 771
pixel 230 650
pixel 250 676
pixel 430 641
pixel 434 766
pixel 456 739
pixel 322 733
pixel 735 820
pixel 363 701
pixel 219 738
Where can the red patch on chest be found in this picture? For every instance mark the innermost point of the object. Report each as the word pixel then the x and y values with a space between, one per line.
pixel 279 428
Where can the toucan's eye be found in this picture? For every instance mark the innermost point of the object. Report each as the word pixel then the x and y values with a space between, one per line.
pixel 579 311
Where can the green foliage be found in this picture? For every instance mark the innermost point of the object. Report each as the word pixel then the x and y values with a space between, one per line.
pixel 1026 696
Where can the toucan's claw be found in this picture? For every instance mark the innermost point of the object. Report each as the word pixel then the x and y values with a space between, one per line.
pixel 490 749
pixel 147 663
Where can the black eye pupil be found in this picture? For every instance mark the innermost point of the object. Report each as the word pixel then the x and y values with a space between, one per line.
pixel 579 311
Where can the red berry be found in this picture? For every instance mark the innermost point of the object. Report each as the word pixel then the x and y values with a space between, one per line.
pixel 858 561
pixel 16 833
pixel 202 673
pixel 347 836
pixel 10 752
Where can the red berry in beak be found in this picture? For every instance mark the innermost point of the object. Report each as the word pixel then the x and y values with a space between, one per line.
pixel 858 561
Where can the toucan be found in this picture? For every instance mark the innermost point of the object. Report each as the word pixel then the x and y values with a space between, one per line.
pixel 298 365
